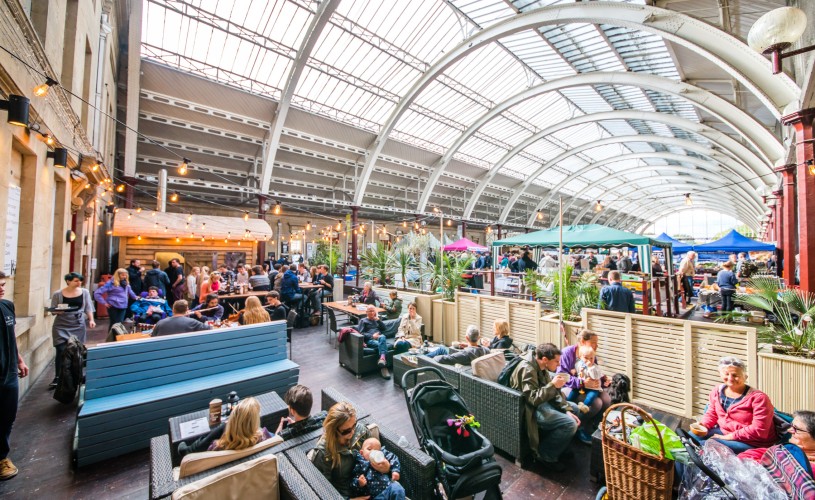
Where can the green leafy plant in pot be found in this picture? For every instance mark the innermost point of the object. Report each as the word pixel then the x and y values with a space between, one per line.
pixel 577 294
pixel 450 278
pixel 376 264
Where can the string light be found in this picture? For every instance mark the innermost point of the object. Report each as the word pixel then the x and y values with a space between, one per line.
pixel 189 218
pixel 165 229
pixel 128 216
pixel 182 169
pixel 688 200
pixel 99 223
pixel 811 165
pixel 108 232
pixel 49 140
pixel 42 89
pixel 598 207
pixel 95 167
pixel 116 210
pixel 174 197
pixel 540 215
pixel 138 210
pixel 449 222
pixel 120 188
pixel 339 225
pixel 277 208
pixel 153 214
pixel 404 223
pixel 177 239
pixel 308 226
pixel 416 226
pixel 246 216
pixel 138 237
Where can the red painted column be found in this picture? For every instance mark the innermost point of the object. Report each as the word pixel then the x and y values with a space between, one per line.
pixel 499 231
pixel 802 121
pixel 777 217
pixel 789 232
pixel 463 229
pixel 130 182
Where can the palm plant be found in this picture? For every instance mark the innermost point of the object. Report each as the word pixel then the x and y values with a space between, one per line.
pixel 793 309
pixel 376 264
pixel 450 279
pixel 577 294
pixel 402 260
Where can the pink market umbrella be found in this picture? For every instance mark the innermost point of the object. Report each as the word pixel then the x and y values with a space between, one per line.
pixel 464 245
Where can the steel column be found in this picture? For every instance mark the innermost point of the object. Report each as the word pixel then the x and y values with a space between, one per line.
pixel 802 122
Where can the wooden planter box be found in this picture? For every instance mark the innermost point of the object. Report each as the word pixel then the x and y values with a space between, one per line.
pixel 444 321
pixel 789 381
pixel 424 304
pixel 550 330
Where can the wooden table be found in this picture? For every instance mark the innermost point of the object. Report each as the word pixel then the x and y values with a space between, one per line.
pixel 272 409
pixel 238 301
pixel 344 308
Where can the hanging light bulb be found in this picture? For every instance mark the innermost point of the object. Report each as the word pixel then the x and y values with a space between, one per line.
pixel 202 238
pixel 436 209
pixel 138 210
pixel 42 89
pixel 811 165
pixel 404 223
pixel 187 225
pixel 128 216
pixel 339 225
pixel 177 239
pixel 153 214
pixel 540 215
pixel 424 231
pixel 49 140
pixel 138 237
pixel 203 225
pixel 174 197
pixel 688 200
pixel 116 210
pixel 165 229
pixel 94 167
pixel 355 231
pixel 226 240
pixel 277 208
pixel 99 223
pixel 449 222
pixel 598 207
pixel 156 225
pixel 416 226
pixel 88 185
pixel 246 216
pixel 120 188
pixel 189 218
pixel 108 232
pixel 308 226
pixel 239 243
pixel 182 169
pixel 488 229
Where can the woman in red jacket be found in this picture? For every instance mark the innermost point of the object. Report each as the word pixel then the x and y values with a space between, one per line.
pixel 738 415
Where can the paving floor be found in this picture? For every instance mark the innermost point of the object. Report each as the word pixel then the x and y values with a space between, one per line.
pixel 43 432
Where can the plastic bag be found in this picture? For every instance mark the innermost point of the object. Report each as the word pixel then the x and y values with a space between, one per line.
pixel 746 479
pixel 649 442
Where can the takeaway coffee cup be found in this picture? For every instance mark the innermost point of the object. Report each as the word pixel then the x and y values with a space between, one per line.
pixel 215 412
pixel 698 429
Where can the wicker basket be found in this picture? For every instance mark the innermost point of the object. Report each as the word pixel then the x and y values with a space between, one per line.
pixel 631 472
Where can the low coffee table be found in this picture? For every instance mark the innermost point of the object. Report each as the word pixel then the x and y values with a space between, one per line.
pixel 272 409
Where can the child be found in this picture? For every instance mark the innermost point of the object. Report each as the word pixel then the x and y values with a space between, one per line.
pixel 367 481
pixel 586 368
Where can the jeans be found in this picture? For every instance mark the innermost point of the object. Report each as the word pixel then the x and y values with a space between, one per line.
pixel 736 446
pixel 296 301
pixel 394 491
pixel 556 431
pixel 381 343
pixel 439 351
pixel 401 346
pixel 589 421
pixel 727 299
pixel 58 360
pixel 687 285
pixel 116 315
pixel 8 412
pixel 588 398
pixel 314 298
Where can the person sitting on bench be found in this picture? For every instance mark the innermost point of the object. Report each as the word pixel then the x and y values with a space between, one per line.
pixel 179 322
pixel 466 355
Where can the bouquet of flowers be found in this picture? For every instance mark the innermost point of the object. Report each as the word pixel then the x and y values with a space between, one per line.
pixel 462 423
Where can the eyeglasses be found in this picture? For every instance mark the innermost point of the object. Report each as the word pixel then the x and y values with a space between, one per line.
pixel 796 430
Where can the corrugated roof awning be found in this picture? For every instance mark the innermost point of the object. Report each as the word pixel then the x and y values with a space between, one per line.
pixel 129 222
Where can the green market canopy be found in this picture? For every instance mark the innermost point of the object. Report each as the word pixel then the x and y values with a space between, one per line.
pixel 582 236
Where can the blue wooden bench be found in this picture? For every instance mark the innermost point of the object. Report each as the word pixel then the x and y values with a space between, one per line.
pixel 132 388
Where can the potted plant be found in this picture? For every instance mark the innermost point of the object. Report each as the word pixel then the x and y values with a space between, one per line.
pixel 376 264
pixel 577 294
pixel 402 261
pixel 450 277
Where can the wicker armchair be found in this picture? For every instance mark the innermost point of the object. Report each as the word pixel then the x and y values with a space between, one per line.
pixel 500 411
pixel 361 360
pixel 162 483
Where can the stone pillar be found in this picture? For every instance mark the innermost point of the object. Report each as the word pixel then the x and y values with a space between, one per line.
pixel 261 243
pixel 802 121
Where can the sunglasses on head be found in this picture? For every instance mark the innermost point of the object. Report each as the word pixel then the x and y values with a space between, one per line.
pixel 347 431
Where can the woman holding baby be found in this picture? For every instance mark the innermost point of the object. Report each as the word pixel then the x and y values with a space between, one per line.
pixel 598 400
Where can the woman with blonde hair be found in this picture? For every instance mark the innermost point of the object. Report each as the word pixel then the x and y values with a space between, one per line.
pixel 205 288
pixel 334 453
pixel 242 431
pixel 114 295
pixel 253 313
pixel 501 340
pixel 410 331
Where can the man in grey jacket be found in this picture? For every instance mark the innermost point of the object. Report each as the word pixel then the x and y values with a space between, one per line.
pixel 179 322
pixel 464 356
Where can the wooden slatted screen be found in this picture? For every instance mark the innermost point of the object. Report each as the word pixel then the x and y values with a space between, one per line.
pixel 467 309
pixel 523 322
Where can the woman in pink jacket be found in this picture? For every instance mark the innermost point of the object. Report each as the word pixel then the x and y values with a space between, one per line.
pixel 738 415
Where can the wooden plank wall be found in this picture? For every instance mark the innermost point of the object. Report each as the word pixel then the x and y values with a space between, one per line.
pixel 673 363
pixel 146 248
pixel 788 381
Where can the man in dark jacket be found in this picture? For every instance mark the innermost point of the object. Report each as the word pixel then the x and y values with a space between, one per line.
pixel 290 290
pixel 464 356
pixel 12 368
pixel 616 297
pixel 157 278
pixel 179 322
pixel 175 275
pixel 134 276
pixel 551 421
pixel 371 327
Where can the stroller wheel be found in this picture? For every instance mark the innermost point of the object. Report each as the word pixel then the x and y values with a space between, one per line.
pixel 602 494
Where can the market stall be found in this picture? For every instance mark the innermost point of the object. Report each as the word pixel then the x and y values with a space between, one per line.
pixel 678 247
pixel 464 245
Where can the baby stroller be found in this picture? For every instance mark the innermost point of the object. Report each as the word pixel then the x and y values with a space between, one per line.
pixel 464 461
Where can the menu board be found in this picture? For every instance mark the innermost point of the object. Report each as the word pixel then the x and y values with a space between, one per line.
pixel 12 228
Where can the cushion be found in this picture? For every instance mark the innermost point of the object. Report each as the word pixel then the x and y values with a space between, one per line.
pixel 199 462
pixel 489 366
pixel 255 478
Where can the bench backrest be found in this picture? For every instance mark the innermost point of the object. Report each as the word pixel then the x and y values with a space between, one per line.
pixel 117 368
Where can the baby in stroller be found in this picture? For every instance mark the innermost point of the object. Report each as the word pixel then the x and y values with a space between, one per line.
pixel 367 481
pixel 586 368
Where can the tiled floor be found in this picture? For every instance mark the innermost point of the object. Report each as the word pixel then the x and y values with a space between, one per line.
pixel 41 440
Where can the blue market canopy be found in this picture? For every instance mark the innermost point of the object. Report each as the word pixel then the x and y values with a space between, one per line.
pixel 735 242
pixel 582 236
pixel 677 246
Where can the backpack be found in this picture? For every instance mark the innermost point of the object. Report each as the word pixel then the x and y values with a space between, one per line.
pixel 505 376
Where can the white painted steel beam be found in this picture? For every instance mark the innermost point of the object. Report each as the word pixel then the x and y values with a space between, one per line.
pixel 318 22
pixel 777 92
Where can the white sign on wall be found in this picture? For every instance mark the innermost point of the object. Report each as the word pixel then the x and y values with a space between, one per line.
pixel 12 228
